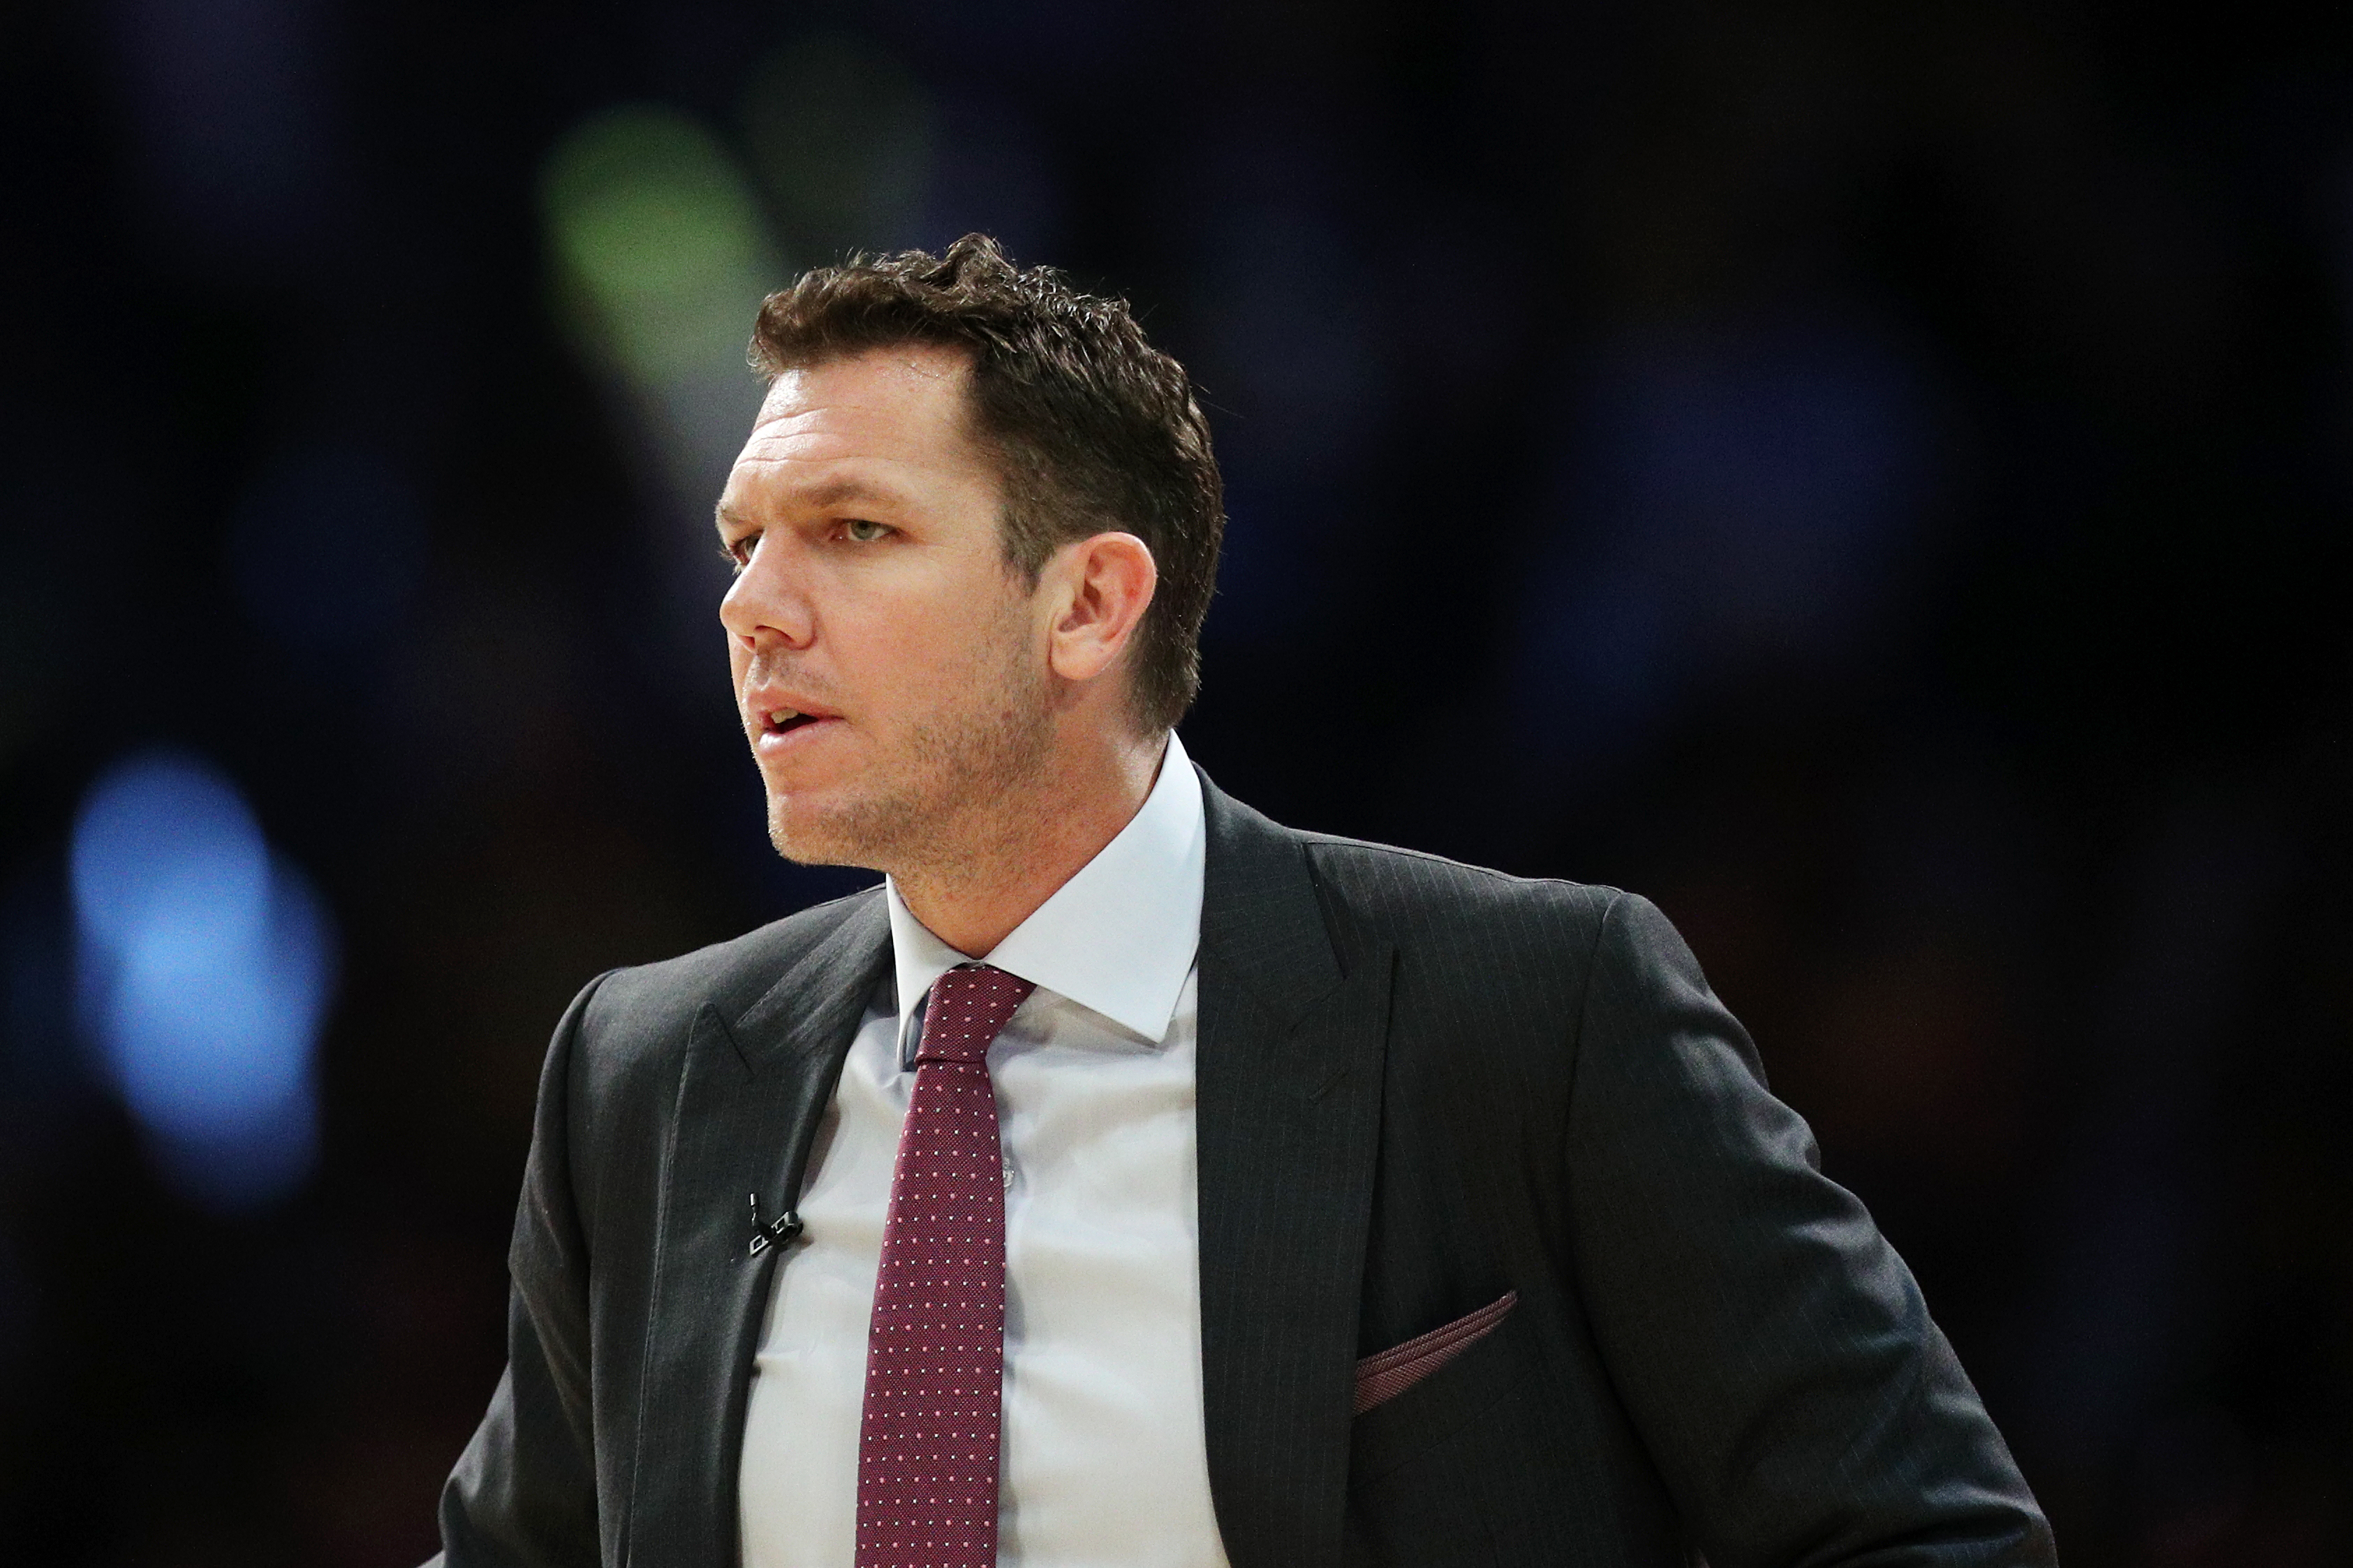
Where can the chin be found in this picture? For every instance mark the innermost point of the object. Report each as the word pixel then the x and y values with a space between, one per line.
pixel 815 833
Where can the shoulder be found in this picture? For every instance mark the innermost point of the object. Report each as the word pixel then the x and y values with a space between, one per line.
pixel 1495 976
pixel 1463 930
pixel 1410 896
pixel 1515 940
pixel 1493 953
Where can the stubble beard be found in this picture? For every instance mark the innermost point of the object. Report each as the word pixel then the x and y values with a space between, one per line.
pixel 955 791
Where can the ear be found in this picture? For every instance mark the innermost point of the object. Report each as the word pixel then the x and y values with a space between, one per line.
pixel 1103 585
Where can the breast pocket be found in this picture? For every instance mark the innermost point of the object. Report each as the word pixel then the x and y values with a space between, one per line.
pixel 1512 1452
pixel 1422 1483
pixel 1382 1377
pixel 1414 1396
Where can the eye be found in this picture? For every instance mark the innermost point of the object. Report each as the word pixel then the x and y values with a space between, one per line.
pixel 738 551
pixel 865 533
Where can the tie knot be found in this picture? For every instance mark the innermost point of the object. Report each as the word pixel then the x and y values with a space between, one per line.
pixel 970 1005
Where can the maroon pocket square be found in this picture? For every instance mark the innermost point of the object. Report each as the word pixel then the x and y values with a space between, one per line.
pixel 1385 1376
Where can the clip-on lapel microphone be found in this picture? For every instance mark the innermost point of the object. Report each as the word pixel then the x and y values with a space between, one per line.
pixel 778 1232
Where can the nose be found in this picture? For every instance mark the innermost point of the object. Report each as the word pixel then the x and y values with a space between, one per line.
pixel 765 602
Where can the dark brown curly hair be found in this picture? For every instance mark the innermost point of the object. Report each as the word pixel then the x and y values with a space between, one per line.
pixel 1091 427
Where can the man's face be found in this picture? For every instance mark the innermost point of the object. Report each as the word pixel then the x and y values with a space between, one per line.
pixel 889 669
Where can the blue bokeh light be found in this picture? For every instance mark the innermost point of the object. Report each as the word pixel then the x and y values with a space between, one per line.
pixel 203 966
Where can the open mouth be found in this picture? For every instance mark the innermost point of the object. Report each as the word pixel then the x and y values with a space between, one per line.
pixel 783 721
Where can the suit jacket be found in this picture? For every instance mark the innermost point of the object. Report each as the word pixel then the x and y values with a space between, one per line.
pixel 1422 1087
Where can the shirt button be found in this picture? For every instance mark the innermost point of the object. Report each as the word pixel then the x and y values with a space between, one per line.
pixel 1008 1163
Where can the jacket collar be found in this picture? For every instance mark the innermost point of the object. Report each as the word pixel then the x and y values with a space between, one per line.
pixel 1260 909
pixel 816 1004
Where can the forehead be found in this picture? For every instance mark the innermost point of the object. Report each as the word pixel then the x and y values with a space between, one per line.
pixel 893 414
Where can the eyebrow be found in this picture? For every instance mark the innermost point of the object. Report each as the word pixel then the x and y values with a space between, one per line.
pixel 833 493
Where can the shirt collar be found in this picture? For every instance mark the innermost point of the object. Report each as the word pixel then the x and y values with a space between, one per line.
pixel 1118 938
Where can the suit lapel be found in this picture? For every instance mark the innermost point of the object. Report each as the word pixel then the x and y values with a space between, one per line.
pixel 1293 1032
pixel 750 1097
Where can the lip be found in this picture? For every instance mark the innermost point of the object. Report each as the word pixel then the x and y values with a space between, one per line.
pixel 768 741
pixel 810 731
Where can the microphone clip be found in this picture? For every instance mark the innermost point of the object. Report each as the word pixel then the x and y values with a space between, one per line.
pixel 777 1233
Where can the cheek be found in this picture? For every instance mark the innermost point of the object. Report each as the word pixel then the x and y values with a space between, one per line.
pixel 919 642
pixel 906 668
pixel 909 652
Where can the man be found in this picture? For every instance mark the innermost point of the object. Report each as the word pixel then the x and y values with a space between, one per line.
pixel 1131 1180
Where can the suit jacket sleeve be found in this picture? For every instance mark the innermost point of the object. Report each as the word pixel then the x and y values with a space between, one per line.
pixel 525 1491
pixel 1770 1347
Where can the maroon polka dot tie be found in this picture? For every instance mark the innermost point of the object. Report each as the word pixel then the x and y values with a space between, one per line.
pixel 936 1350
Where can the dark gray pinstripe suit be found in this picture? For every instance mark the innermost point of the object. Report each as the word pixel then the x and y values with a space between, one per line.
pixel 1421 1085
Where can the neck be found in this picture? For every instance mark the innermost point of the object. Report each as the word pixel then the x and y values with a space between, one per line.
pixel 1022 851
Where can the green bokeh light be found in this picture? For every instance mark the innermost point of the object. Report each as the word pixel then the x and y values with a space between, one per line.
pixel 661 251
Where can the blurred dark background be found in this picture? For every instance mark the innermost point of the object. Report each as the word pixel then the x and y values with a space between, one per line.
pixel 1870 478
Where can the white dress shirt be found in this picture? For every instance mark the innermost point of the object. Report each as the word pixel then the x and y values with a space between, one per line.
pixel 1103 1456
